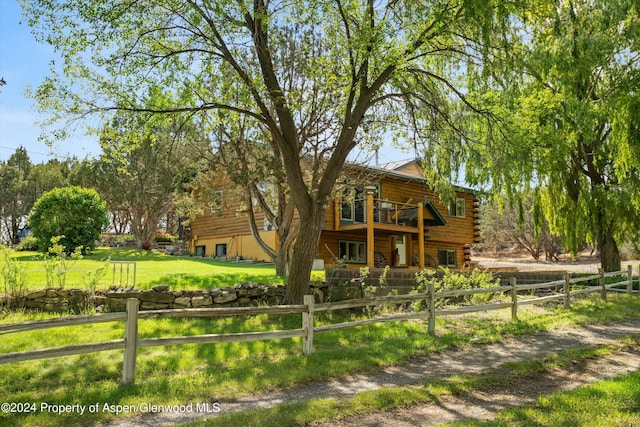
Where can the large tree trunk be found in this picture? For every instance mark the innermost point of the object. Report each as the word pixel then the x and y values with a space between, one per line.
pixel 609 253
pixel 304 251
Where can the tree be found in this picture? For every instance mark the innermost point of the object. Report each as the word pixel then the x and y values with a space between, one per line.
pixel 44 177
pixel 15 198
pixel 144 161
pixel 244 155
pixel 574 102
pixel 518 224
pixel 78 214
pixel 319 77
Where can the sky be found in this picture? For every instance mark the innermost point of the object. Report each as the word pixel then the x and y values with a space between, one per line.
pixel 24 63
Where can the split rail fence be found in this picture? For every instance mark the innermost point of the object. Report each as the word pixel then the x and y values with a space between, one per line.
pixel 561 289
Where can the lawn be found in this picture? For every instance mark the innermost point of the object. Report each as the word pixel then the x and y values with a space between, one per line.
pixel 152 268
pixel 218 372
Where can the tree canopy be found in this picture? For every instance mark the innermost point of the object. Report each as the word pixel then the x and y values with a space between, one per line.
pixel 319 77
pixel 566 95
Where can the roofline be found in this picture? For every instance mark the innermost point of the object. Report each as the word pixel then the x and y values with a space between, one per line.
pixel 396 174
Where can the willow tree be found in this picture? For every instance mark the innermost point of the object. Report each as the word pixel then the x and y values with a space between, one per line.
pixel 568 94
pixel 319 76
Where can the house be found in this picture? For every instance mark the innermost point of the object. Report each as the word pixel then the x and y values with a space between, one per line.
pixel 381 215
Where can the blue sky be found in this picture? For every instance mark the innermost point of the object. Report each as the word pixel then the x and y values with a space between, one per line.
pixel 25 62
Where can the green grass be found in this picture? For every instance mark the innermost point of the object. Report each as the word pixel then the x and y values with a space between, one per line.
pixel 617 399
pixel 217 372
pixel 152 268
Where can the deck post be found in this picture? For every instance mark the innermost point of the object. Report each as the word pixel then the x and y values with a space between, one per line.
pixel 567 290
pixel 370 227
pixel 130 342
pixel 307 324
pixel 421 235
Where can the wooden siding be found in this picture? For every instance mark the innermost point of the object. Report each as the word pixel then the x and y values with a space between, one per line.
pixel 241 245
pixel 215 228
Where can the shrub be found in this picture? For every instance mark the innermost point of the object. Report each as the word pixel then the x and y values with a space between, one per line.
pixel 164 238
pixel 78 214
pixel 28 243
pixel 13 274
pixel 451 281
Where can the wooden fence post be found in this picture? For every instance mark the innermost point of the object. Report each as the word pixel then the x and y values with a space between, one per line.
pixel 567 290
pixel 514 299
pixel 603 292
pixel 629 279
pixel 432 310
pixel 307 324
pixel 130 342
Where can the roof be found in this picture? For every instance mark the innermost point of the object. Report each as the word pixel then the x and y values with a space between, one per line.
pixel 396 165
pixel 391 169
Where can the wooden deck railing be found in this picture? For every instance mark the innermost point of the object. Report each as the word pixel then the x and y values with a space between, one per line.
pixel 385 212
pixel 561 289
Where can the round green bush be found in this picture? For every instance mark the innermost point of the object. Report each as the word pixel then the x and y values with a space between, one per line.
pixel 78 214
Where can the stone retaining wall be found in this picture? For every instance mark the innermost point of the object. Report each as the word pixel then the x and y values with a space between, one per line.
pixel 158 298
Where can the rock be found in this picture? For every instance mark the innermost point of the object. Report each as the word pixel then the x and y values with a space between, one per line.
pixel 244 301
pixel 226 296
pixel 160 288
pixel 125 293
pixel 159 297
pixel 146 305
pixel 36 295
pixel 116 304
pixel 201 301
pixel 184 302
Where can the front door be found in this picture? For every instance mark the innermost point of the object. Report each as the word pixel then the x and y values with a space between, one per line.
pixel 401 250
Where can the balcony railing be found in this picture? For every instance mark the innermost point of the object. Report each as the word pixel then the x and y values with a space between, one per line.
pixel 384 212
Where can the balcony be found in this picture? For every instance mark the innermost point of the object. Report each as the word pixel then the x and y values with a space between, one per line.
pixel 386 215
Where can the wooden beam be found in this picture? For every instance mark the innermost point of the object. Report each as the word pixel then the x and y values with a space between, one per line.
pixel 421 236
pixel 370 231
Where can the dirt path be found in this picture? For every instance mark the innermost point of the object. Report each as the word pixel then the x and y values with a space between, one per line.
pixel 473 359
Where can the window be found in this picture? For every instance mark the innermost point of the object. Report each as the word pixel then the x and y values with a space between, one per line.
pixel 352 251
pixel 221 250
pixel 447 258
pixel 201 251
pixel 458 208
pixel 353 206
pixel 216 202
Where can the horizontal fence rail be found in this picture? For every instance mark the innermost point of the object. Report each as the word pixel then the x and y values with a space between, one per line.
pixel 560 289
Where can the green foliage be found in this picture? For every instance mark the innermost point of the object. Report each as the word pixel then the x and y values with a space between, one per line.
pixel 451 281
pixel 16 199
pixel 28 243
pixel 13 274
pixel 92 278
pixel 58 261
pixel 312 80
pixel 194 373
pixel 77 214
pixel 164 238
pixel 566 97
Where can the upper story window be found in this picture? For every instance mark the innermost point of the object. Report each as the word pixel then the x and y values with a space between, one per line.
pixel 353 204
pixel 458 208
